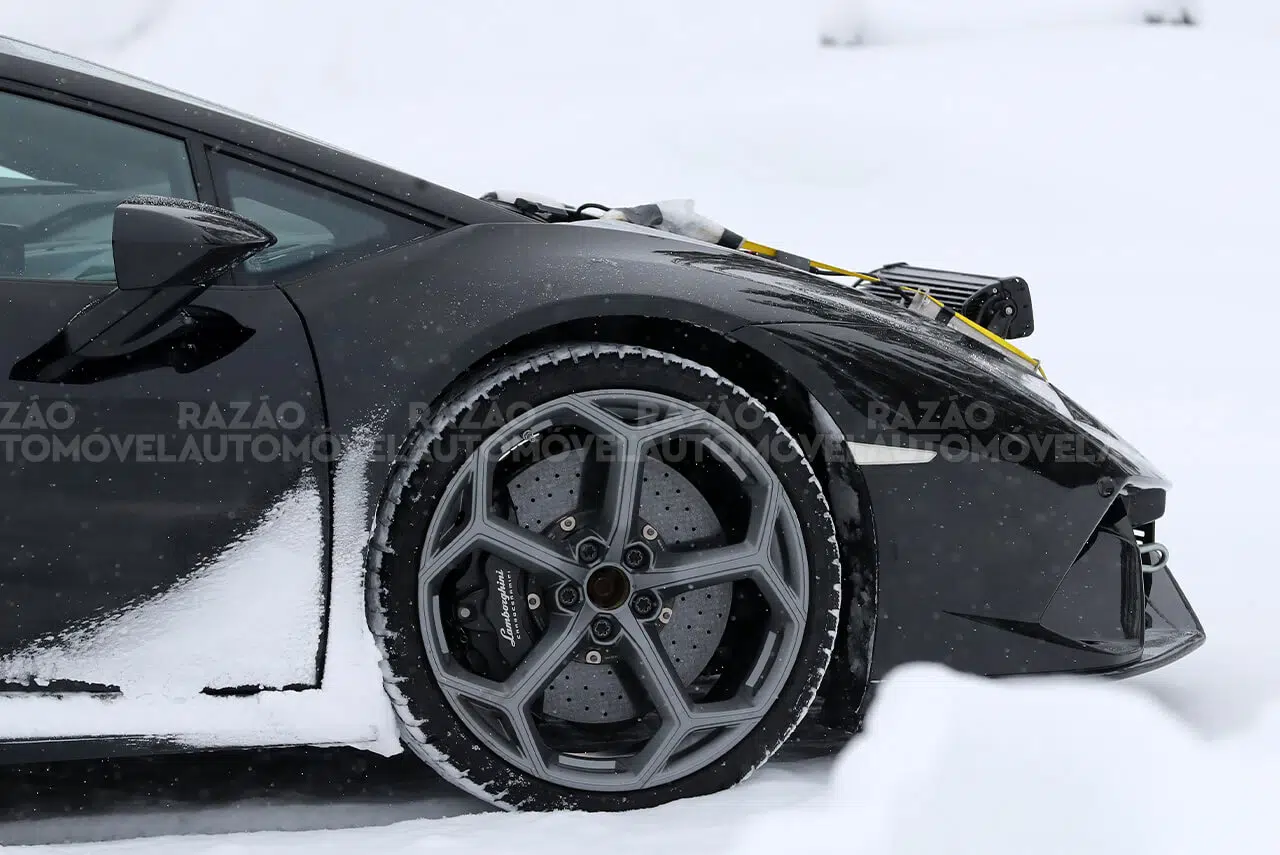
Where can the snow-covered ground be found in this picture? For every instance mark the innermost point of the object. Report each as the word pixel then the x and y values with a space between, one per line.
pixel 1130 173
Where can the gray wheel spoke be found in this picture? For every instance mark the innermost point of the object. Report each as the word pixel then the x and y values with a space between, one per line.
pixel 777 589
pixel 485 530
pixel 564 634
pixel 531 745
pixel 656 754
pixel 772 577
pixel 506 540
pixel 680 716
pixel 675 418
pixel 654 669
pixel 643 651
pixel 538 667
pixel 629 444
pixel 437 562
pixel 527 549
pixel 753 559
pixel 726 714
pixel 515 696
pixel 622 496
pixel 766 504
pixel 703 568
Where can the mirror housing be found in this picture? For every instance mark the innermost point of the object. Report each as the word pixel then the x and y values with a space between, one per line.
pixel 160 242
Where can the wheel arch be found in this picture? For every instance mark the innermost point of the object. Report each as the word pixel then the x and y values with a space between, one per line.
pixel 803 411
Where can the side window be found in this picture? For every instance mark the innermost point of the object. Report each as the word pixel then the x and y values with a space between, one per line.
pixel 315 227
pixel 62 172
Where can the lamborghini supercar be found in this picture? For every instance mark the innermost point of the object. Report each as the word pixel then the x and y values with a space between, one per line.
pixel 587 506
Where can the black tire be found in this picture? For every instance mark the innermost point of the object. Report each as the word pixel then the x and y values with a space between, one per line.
pixel 430 724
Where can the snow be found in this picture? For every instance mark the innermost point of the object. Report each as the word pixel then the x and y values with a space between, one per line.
pixel 261 594
pixel 895 21
pixel 1128 172
pixel 882 22
pixel 1052 766
pixel 193 636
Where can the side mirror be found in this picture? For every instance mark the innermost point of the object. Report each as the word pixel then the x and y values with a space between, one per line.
pixel 160 242
pixel 167 251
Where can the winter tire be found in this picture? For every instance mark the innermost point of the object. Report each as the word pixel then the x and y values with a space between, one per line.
pixel 602 577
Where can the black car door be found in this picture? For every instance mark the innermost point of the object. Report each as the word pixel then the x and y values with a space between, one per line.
pixel 157 505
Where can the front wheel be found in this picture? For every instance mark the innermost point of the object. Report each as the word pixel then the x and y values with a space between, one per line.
pixel 603 577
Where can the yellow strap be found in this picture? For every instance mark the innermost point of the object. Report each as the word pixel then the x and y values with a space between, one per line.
pixel 831 268
pixel 770 252
pixel 1002 342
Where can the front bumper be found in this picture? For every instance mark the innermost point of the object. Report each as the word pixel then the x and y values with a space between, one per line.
pixel 1013 546
pixel 1171 629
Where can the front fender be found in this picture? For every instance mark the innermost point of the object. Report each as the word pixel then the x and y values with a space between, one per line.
pixel 392 332
pixel 401 326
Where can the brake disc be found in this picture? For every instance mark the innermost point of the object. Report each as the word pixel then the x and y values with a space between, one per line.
pixel 547 491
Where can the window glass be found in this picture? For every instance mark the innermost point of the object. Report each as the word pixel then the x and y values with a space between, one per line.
pixel 314 227
pixel 62 172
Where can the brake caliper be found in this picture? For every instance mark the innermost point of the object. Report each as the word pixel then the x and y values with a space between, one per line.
pixel 498 615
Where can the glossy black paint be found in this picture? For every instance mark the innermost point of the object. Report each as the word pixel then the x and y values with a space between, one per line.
pixel 162 243
pixel 83 536
pixel 968 555
pixel 976 548
pixel 971 552
pixel 446 304
pixel 166 252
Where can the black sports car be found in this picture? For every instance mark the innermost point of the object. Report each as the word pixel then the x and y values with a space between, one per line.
pixel 587 506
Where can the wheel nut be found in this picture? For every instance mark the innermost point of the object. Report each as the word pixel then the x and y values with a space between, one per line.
pixel 644 605
pixel 636 557
pixel 568 596
pixel 603 628
pixel 590 551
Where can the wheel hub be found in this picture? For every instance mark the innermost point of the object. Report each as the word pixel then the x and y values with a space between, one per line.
pixel 608 588
pixel 675 512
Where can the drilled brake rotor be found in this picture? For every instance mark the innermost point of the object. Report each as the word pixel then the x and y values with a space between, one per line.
pixel 582 692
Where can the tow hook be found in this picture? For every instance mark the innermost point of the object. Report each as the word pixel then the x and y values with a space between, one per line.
pixel 1154 557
